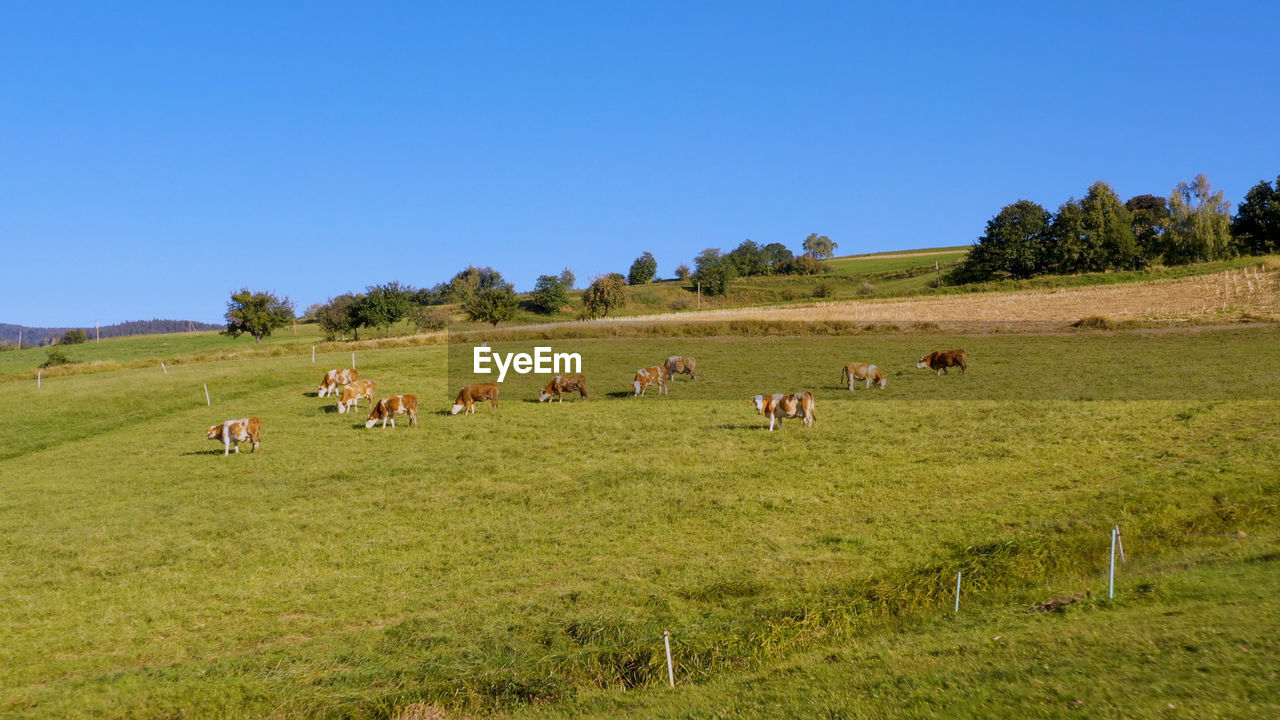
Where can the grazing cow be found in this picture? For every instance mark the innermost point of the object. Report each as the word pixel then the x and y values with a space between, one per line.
pixel 940 360
pixel 237 431
pixel 854 372
pixel 471 394
pixel 676 364
pixel 561 384
pixel 388 407
pixel 656 375
pixel 778 406
pixel 332 379
pixel 352 393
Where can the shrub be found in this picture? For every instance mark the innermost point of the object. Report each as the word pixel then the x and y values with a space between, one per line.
pixel 680 303
pixel 821 290
pixel 74 336
pixel 805 265
pixel 866 288
pixel 427 319
pixel 56 357
pixel 1094 322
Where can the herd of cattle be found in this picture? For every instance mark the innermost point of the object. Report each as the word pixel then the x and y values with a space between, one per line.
pixel 775 407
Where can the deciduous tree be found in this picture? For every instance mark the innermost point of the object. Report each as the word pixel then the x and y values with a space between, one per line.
pixel 492 304
pixel 1150 220
pixel 1014 243
pixel 383 306
pixel 549 294
pixel 714 270
pixel 604 295
pixel 1256 227
pixel 1199 223
pixel 256 313
pixel 819 246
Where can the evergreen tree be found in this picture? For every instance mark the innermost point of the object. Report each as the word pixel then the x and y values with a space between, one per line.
pixel 642 270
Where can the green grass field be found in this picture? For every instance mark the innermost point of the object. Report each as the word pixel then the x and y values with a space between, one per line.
pixel 523 561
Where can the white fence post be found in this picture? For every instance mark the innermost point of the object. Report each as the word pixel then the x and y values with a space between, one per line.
pixel 1120 543
pixel 958 591
pixel 207 401
pixel 165 369
pixel 313 353
pixel 37 379
pixel 671 672
pixel 1111 583
pixel 353 361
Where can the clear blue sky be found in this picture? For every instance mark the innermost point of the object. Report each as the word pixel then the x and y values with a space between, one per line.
pixel 155 157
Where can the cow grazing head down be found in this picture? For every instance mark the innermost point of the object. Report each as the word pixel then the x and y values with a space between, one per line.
pixel 562 384
pixel 387 408
pixel 472 394
pixel 352 393
pixel 863 372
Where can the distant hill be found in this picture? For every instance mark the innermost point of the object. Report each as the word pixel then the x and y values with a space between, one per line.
pixel 32 336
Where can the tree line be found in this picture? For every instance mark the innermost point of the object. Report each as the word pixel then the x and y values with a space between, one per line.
pixel 484 295
pixel 1099 232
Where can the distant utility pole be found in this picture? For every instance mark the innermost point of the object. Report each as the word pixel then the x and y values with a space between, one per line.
pixel 97 331
pixel 19 338
pixel 699 294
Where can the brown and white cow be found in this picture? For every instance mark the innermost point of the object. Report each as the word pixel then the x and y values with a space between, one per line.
pixel 352 393
pixel 676 364
pixel 656 375
pixel 561 384
pixel 388 407
pixel 332 379
pixel 778 406
pixel 940 360
pixel 472 394
pixel 237 431
pixel 856 372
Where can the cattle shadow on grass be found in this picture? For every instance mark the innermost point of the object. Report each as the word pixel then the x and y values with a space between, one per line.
pixel 742 426
pixel 620 394
pixel 216 451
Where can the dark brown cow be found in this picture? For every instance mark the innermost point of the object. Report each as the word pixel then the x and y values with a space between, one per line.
pixel 237 431
pixel 676 364
pixel 388 407
pixel 940 360
pixel 561 384
pixel 778 406
pixel 471 394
